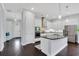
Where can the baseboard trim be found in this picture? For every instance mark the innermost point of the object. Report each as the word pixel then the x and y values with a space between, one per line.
pixel 24 44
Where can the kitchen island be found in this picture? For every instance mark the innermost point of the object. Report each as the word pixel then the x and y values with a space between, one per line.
pixel 52 45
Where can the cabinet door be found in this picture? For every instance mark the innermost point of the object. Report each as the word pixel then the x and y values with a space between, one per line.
pixel 45 46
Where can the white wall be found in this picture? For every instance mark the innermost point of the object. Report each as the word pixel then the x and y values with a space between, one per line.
pixel 13 15
pixel 13 27
pixel 28 28
pixel 38 22
pixel 2 31
pixel 9 28
pixel 49 24
pixel 16 31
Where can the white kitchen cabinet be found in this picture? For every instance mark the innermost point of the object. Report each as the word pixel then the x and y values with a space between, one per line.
pixel 52 47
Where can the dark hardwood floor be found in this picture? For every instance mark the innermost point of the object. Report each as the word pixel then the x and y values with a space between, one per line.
pixel 70 50
pixel 14 48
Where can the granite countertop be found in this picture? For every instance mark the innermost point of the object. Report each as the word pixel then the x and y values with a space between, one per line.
pixel 53 37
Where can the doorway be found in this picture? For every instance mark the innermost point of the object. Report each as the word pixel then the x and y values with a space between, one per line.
pixel 12 29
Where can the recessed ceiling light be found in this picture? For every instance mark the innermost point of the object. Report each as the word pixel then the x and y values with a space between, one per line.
pixel 32 8
pixel 59 17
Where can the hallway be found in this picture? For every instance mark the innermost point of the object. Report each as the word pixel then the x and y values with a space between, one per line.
pixel 14 48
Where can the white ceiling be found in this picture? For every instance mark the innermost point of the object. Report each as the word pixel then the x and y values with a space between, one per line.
pixel 50 9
